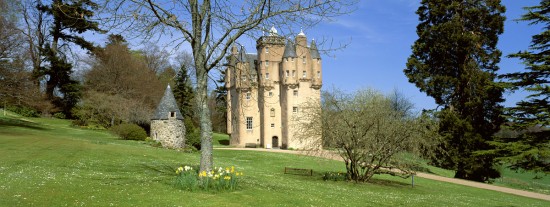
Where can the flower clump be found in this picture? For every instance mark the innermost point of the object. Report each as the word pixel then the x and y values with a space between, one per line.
pixel 218 179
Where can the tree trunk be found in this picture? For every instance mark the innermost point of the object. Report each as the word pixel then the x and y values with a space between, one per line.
pixel 204 114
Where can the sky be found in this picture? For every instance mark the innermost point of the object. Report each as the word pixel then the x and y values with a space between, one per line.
pixel 380 34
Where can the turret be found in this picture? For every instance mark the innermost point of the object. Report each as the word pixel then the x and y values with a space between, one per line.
pixel 316 76
pixel 269 49
pixel 289 64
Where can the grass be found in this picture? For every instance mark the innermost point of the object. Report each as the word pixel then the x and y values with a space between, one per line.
pixel 529 181
pixel 45 162
pixel 220 140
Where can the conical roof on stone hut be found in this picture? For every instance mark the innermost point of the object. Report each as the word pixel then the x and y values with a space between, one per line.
pixel 168 107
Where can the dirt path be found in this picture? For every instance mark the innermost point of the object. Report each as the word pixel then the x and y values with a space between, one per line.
pixel 422 175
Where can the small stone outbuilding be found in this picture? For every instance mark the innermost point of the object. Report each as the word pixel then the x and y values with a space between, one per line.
pixel 167 123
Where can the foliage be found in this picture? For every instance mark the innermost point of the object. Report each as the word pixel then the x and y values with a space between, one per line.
pixel 218 105
pixel 114 86
pixel 183 90
pixel 335 176
pixel 192 134
pixel 68 20
pixel 129 132
pixel 455 61
pixel 367 131
pixel 24 111
pixel 189 178
pixel 530 150
pixel 59 115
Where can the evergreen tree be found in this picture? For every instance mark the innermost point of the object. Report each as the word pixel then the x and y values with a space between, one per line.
pixel 183 92
pixel 69 18
pixel 531 117
pixel 455 61
pixel 221 101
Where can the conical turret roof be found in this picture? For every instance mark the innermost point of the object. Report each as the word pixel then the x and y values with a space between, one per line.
pixel 242 57
pixel 313 50
pixel 290 50
pixel 167 105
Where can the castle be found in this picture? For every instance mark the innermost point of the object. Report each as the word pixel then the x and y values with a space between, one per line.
pixel 266 90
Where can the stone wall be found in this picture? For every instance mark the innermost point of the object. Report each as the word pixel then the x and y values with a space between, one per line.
pixel 170 133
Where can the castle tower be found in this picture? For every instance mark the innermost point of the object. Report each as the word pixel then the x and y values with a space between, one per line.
pixel 261 111
pixel 167 123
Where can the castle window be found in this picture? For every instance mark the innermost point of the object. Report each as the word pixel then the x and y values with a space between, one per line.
pixel 287 73
pixel 267 63
pixel 318 74
pixel 294 109
pixel 270 94
pixel 304 74
pixel 293 73
pixel 272 112
pixel 292 59
pixel 172 114
pixel 304 59
pixel 266 75
pixel 267 50
pixel 247 95
pixel 272 125
pixel 295 92
pixel 249 123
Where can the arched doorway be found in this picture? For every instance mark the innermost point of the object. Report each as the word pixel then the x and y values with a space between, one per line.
pixel 275 141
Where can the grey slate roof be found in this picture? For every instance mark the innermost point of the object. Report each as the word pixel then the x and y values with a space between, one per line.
pixel 167 104
pixel 290 50
pixel 252 58
pixel 313 50
pixel 242 57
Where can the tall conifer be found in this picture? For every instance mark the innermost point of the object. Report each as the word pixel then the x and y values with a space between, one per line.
pixel 455 61
pixel 531 117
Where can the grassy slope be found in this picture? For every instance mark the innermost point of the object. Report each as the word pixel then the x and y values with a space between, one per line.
pixel 52 164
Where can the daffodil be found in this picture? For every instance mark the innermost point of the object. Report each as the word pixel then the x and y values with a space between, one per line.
pixel 232 169
pixel 227 178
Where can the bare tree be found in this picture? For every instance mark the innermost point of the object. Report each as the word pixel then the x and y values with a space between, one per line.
pixel 156 58
pixel 211 27
pixel 367 132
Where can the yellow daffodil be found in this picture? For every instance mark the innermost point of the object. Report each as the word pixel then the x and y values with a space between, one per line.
pixel 232 169
pixel 227 178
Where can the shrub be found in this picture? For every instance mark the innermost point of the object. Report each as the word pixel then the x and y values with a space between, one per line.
pixel 24 111
pixel 59 115
pixel 335 176
pixel 189 178
pixel 192 134
pixel 129 132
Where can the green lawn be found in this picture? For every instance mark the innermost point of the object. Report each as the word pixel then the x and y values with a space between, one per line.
pixel 45 162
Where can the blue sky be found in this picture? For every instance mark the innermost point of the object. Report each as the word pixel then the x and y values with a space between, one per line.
pixel 380 34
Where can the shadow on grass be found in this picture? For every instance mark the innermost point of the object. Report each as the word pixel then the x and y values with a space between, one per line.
pixel 390 183
pixel 224 142
pixel 12 122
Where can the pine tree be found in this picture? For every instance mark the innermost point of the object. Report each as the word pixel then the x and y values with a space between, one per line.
pixel 221 100
pixel 183 92
pixel 531 117
pixel 455 61
pixel 69 19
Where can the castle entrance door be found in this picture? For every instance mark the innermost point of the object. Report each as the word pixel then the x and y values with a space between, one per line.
pixel 275 141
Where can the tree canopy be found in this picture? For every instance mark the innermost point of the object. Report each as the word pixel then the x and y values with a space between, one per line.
pixel 531 117
pixel 455 61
